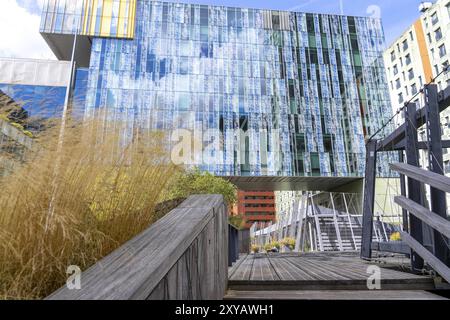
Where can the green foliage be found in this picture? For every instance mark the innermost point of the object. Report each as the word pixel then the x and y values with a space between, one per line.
pixel 288 242
pixel 271 245
pixel 237 221
pixel 197 182
pixel 255 248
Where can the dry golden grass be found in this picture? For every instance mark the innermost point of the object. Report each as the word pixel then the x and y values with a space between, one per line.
pixel 75 202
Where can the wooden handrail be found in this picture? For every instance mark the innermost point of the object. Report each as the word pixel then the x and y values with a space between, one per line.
pixel 435 180
pixel 184 255
pixel 430 218
pixel 434 262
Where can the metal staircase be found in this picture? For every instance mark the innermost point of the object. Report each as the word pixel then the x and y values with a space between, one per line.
pixel 336 231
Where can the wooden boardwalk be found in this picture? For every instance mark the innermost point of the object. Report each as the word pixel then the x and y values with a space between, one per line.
pixel 317 271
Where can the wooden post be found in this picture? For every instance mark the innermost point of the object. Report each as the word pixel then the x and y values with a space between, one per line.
pixel 414 187
pixel 435 162
pixel 403 193
pixel 369 199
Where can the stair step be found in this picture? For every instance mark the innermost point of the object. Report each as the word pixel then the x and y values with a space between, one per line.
pixel 333 295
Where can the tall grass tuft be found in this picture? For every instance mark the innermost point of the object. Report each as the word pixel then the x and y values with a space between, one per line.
pixel 72 203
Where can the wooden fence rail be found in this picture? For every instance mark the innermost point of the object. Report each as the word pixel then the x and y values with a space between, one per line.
pixel 430 218
pixel 182 256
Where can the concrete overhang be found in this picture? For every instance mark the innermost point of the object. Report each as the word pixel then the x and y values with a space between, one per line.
pixel 266 183
pixel 62 46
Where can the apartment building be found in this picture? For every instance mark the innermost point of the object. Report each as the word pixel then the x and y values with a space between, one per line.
pixel 256 206
pixel 418 56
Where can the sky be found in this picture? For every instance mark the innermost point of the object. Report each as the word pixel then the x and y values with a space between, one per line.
pixel 20 19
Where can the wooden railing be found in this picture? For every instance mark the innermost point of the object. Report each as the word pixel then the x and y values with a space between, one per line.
pixel 425 230
pixel 182 256
pixel 428 217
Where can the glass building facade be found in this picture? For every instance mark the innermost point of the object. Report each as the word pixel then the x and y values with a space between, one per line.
pixel 101 18
pixel 272 93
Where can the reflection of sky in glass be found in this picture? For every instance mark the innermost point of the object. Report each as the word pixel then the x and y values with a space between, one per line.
pixel 38 101
pixel 281 92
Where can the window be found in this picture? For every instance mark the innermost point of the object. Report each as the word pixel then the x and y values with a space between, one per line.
pixel 395 70
pixel 408 59
pixel 413 88
pixel 430 40
pixel 392 55
pixel 405 45
pixel 410 74
pixel 397 84
pixel 401 62
pixel 436 69
pixel 434 18
pixel 442 51
pixel 406 90
pixel 400 98
pixel 411 36
pixel 420 81
pixel 438 34
pixel 445 66
pixel 448 8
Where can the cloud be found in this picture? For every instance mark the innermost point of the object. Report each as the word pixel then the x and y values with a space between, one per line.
pixel 19 32
pixel 32 6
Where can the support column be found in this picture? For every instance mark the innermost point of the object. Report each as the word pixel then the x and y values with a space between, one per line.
pixel 436 163
pixel 414 187
pixel 403 193
pixel 369 199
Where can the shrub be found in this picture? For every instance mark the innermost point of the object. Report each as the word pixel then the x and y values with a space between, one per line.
pixel 197 182
pixel 275 244
pixel 395 236
pixel 268 247
pixel 288 242
pixel 237 221
pixel 255 248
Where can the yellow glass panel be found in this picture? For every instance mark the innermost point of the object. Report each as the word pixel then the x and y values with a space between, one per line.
pixel 93 20
pixel 132 18
pixel 106 18
pixel 122 16
pixel 125 20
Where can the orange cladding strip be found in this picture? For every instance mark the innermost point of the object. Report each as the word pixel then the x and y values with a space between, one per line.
pixel 423 50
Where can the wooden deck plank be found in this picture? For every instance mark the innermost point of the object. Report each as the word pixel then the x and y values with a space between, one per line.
pixel 285 270
pixel 235 266
pixel 333 295
pixel 319 271
pixel 263 269
pixel 244 270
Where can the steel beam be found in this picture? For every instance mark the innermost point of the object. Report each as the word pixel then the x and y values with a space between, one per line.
pixel 414 187
pixel 436 163
pixel 369 199
pixel 403 193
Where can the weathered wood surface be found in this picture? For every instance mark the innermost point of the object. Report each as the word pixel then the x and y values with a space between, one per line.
pixel 392 246
pixel 433 179
pixel 333 295
pixel 430 218
pixel 317 271
pixel 182 256
pixel 434 262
